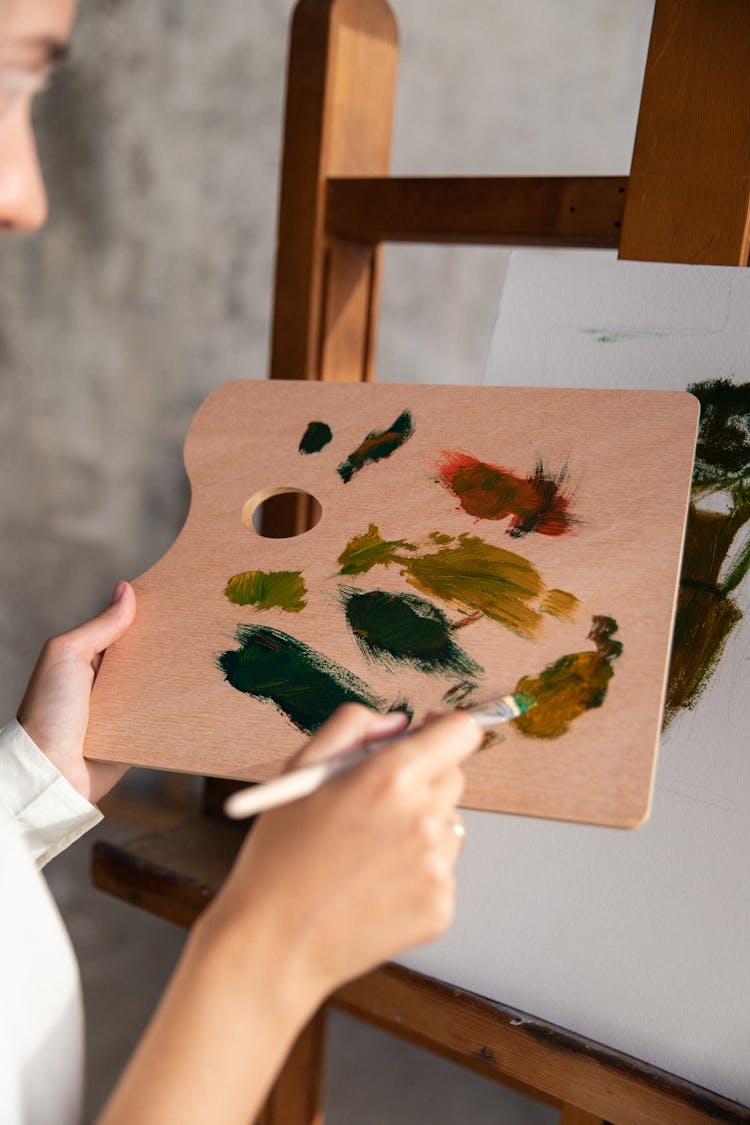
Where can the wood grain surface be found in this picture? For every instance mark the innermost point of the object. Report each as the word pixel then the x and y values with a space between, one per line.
pixel 161 700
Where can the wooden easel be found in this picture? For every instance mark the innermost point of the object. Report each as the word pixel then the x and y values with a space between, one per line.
pixel 687 200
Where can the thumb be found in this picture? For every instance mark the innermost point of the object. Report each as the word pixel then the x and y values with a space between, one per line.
pixel 93 636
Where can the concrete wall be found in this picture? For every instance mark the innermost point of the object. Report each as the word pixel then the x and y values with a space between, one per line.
pixel 152 281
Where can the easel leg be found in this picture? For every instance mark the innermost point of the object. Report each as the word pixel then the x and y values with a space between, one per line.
pixel 571 1115
pixel 297 1096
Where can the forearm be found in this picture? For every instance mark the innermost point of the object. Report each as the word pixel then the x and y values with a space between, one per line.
pixel 221 1033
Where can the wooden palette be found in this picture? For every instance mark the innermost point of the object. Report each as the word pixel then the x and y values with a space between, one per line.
pixel 473 541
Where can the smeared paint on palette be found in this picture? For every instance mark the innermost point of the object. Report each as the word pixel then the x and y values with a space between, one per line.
pixel 404 628
pixel 446 564
pixel 468 573
pixel 303 684
pixel 539 502
pixel 572 685
pixel 378 445
pixel 266 589
pixel 316 437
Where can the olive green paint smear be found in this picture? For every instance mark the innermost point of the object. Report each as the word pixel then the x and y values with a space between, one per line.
pixel 316 437
pixel 377 446
pixel 477 576
pixel 706 614
pixel 572 685
pixel 266 589
pixel 303 684
pixel 403 628
pixel 368 550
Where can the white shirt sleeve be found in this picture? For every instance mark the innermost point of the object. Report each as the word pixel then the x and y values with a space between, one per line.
pixel 48 811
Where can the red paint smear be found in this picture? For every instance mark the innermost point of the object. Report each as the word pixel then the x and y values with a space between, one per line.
pixel 539 502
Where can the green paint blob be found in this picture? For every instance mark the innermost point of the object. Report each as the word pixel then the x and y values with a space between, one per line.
pixel 303 684
pixel 377 446
pixel 268 588
pixel 368 550
pixel 405 628
pixel 316 436
pixel 571 686
pixel 722 455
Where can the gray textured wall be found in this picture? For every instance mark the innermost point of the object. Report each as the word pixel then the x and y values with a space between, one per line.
pixel 152 282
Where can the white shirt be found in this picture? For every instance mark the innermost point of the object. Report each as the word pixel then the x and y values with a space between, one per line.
pixel 41 1013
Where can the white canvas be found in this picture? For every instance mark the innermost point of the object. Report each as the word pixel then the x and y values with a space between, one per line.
pixel 640 940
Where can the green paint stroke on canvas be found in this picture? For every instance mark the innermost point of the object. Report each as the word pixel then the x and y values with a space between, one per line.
pixel 316 437
pixel 377 446
pixel 302 683
pixel 266 589
pixel 404 628
pixel 706 613
pixel 572 685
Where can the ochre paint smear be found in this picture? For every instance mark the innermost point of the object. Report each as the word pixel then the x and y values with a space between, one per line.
pixel 368 550
pixel 474 575
pixel 377 445
pixel 316 437
pixel 303 684
pixel 403 628
pixel 706 613
pixel 266 589
pixel 559 603
pixel 572 685
pixel 539 502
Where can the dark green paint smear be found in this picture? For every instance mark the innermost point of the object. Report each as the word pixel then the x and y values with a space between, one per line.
pixel 392 628
pixel 377 446
pixel 572 685
pixel 706 614
pixel 305 685
pixel 316 437
pixel 722 455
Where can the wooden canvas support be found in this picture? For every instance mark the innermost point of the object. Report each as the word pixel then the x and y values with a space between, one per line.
pixel 298 1092
pixel 339 109
pixel 689 194
pixel 555 211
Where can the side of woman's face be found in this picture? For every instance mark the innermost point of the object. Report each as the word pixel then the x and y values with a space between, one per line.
pixel 33 38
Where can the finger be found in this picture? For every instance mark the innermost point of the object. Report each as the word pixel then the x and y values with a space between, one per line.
pixel 444 742
pixel 350 726
pixel 457 832
pixel 91 638
pixel 447 788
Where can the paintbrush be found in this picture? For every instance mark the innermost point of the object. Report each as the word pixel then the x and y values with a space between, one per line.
pixel 305 780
